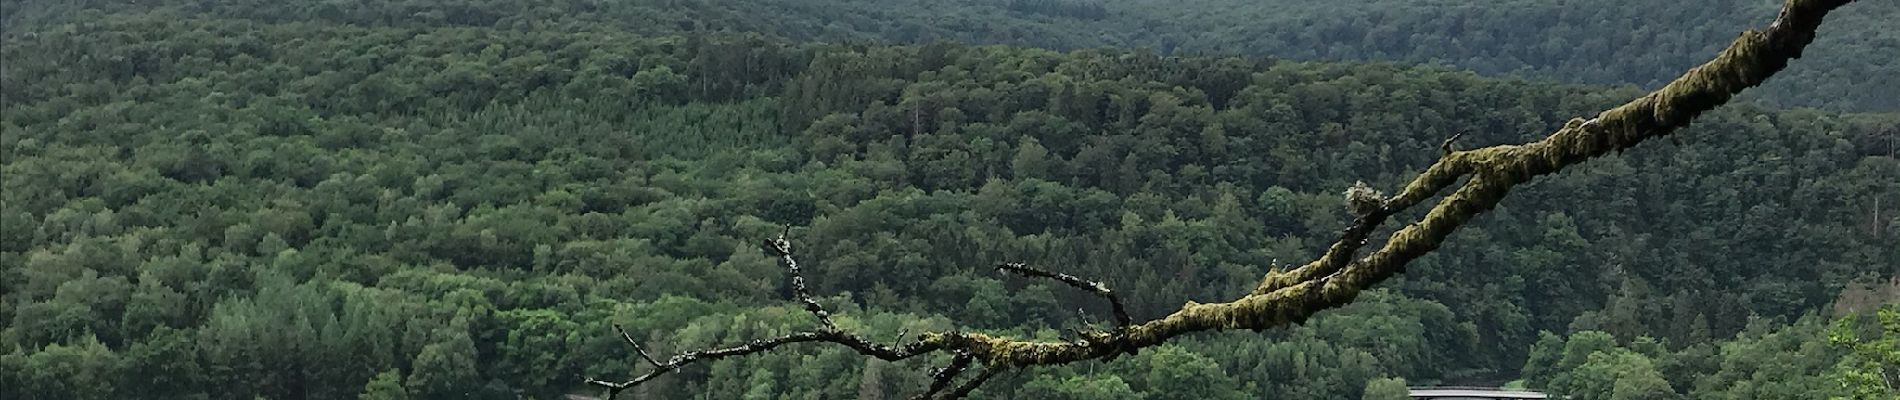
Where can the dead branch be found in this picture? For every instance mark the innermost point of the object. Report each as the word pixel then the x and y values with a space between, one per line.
pixel 1336 278
pixel 827 332
pixel 1099 289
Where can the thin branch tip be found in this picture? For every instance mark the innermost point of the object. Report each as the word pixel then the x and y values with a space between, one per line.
pixel 940 378
pixel 1448 141
pixel 636 346
pixel 1098 288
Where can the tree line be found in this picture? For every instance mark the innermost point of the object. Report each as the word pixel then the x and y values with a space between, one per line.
pixel 1541 39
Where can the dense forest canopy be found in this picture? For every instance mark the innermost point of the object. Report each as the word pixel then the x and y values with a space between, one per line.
pixel 1573 41
pixel 454 199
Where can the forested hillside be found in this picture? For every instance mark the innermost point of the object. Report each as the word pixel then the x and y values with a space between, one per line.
pixel 441 200
pixel 1601 42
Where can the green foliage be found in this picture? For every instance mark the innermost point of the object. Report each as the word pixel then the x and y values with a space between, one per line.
pixel 86 369
pixel 445 369
pixel 1386 389
pixel 1079 388
pixel 1794 361
pixel 387 385
pixel 1175 373
pixel 165 365
pixel 1616 42
pixel 1618 375
pixel 1872 362
pixel 449 199
pixel 539 348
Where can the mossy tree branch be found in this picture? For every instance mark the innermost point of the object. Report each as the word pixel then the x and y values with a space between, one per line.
pixel 1335 278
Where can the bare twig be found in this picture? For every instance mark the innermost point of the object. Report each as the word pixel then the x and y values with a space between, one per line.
pixel 940 378
pixel 1447 145
pixel 989 371
pixel 636 346
pixel 854 342
pixel 827 332
pixel 1099 289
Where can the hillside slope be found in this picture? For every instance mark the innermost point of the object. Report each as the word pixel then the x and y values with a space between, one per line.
pixel 1643 43
pixel 238 208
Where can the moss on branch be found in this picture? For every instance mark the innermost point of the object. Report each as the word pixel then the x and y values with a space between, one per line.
pixel 1488 175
